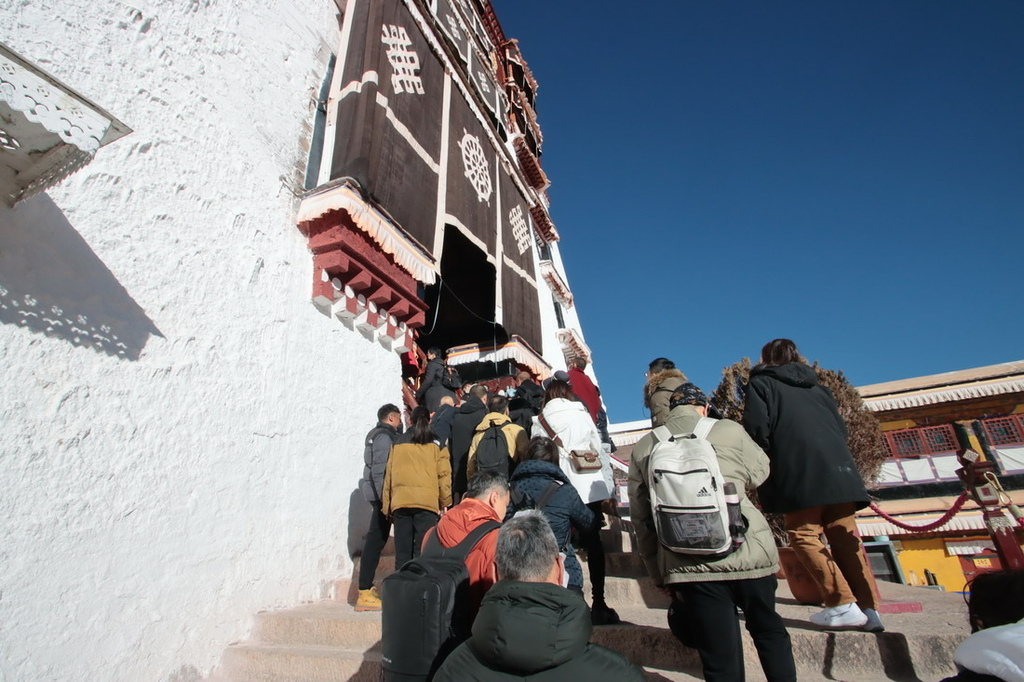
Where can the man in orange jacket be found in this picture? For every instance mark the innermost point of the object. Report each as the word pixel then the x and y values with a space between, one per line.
pixel 486 499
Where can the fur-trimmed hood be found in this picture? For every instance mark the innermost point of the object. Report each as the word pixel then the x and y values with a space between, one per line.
pixel 655 380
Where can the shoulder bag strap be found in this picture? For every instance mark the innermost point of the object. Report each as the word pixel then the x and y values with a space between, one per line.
pixel 461 550
pixel 370 437
pixel 548 493
pixel 434 548
pixel 551 432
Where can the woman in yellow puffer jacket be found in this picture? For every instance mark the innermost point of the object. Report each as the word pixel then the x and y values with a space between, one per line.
pixel 417 487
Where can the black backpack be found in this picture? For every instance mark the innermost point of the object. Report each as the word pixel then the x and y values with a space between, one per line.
pixel 451 379
pixel 522 501
pixel 426 609
pixel 492 452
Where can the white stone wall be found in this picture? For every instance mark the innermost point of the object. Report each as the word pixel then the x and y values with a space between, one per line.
pixel 181 429
pixel 549 320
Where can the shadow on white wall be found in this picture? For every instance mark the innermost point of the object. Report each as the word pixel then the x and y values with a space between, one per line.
pixel 52 283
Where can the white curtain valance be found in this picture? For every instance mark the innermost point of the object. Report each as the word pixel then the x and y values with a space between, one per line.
pixel 344 198
pixel 516 349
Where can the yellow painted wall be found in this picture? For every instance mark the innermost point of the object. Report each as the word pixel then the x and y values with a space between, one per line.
pixel 917 555
pixel 900 424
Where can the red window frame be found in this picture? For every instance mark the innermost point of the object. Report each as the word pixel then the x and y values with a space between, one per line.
pixel 1004 430
pixel 927 440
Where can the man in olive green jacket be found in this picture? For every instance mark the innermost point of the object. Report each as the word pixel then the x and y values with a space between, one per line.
pixel 707 589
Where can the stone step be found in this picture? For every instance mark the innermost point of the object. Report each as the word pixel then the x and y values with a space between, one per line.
pixel 818 654
pixel 289 644
pixel 259 662
pixel 329 640
pixel 278 664
pixel 617 537
pixel 923 629
pixel 631 593
pixel 624 564
pixel 326 623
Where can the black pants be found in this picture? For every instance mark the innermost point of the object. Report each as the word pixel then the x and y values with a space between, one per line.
pixel 411 525
pixel 595 553
pixel 376 538
pixel 703 616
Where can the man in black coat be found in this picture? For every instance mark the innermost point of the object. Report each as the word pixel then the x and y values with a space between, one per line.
pixel 432 387
pixel 814 482
pixel 441 420
pixel 526 402
pixel 529 391
pixel 464 424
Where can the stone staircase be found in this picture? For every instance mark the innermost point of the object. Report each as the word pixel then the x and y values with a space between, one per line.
pixel 328 640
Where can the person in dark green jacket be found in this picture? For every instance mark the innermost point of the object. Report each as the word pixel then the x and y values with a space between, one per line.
pixel 529 626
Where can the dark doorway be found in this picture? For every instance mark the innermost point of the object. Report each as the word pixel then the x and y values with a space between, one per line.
pixel 462 300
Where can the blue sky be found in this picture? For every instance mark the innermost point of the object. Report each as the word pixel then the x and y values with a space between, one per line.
pixel 846 174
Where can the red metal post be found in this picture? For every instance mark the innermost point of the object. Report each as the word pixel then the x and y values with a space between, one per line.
pixel 977 476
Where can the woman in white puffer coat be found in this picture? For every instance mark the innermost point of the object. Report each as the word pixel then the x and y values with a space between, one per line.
pixel 566 420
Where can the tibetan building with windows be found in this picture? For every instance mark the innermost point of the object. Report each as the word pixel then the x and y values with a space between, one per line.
pixel 427 213
pixel 919 483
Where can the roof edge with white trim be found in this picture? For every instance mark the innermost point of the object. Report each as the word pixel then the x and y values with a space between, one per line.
pixel 943 380
pixel 984 389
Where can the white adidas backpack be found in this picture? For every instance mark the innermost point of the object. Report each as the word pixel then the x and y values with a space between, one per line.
pixel 687 492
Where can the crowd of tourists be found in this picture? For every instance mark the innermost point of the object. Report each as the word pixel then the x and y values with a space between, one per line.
pixel 513 483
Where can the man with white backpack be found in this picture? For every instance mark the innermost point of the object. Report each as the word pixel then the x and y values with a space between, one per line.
pixel 704 542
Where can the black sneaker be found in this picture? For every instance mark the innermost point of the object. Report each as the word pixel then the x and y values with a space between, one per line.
pixel 601 614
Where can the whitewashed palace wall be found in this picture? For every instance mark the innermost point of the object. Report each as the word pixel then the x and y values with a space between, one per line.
pixel 181 429
pixel 549 320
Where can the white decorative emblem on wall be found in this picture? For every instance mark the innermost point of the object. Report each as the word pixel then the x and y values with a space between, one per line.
pixel 404 61
pixel 477 169
pixel 520 230
pixel 481 80
pixel 453 25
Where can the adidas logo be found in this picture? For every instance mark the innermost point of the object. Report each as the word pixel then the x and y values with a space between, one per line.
pixel 703 493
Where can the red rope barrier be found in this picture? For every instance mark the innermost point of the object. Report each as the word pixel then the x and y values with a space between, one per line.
pixel 957 506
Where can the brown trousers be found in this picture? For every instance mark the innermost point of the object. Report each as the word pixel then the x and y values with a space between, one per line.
pixel 841 570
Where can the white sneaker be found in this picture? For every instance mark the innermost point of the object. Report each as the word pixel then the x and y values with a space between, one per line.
pixel 842 616
pixel 874 623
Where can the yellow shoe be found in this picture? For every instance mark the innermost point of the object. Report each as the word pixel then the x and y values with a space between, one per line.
pixel 368 600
